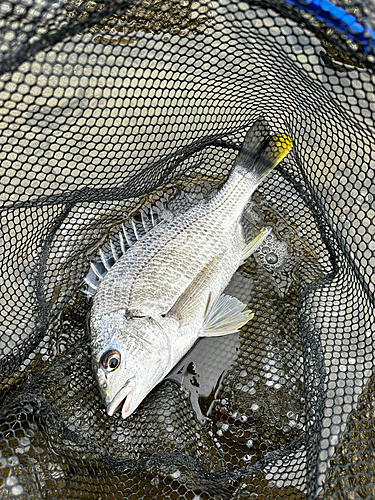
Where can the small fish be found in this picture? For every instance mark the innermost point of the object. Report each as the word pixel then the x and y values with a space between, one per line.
pixel 157 293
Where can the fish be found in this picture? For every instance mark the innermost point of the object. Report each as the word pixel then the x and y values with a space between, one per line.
pixel 157 293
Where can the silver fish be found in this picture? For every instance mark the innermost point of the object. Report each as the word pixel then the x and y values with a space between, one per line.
pixel 165 291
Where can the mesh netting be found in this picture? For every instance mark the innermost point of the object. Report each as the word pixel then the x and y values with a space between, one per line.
pixel 110 107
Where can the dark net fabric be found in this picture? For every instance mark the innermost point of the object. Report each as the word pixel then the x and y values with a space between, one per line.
pixel 110 107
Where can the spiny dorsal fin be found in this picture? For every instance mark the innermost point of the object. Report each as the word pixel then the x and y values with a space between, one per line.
pixel 224 316
pixel 113 250
pixel 97 273
pixel 129 233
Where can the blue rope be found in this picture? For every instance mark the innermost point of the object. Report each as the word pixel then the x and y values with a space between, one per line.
pixel 339 20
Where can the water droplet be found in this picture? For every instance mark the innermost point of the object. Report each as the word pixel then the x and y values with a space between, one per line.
pixel 271 258
pixel 359 199
pixel 176 474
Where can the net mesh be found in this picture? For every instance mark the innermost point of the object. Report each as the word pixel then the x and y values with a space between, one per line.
pixel 110 107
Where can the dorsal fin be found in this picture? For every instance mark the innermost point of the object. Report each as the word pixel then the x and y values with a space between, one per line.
pixel 128 233
pixel 122 237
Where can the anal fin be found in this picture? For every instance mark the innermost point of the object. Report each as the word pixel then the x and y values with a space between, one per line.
pixel 224 316
pixel 255 243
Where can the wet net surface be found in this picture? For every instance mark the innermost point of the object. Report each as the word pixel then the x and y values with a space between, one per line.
pixel 110 107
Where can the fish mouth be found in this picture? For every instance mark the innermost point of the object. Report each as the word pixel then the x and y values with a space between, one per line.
pixel 122 399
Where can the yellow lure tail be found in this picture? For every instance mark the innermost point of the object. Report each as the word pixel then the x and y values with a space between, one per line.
pixel 261 151
pixel 281 146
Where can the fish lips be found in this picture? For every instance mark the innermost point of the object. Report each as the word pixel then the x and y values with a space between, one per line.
pixel 122 399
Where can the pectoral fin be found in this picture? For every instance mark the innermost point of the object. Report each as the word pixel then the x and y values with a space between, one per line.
pixel 185 308
pixel 224 316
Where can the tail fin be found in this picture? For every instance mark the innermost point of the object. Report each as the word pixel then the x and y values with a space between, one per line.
pixel 261 151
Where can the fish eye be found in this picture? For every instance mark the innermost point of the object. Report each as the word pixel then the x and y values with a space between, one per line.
pixel 111 360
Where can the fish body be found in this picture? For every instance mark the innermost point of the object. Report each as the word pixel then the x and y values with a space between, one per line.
pixel 166 290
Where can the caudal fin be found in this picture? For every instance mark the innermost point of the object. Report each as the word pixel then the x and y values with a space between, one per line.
pixel 261 150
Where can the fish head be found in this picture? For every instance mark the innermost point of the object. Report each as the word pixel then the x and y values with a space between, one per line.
pixel 130 356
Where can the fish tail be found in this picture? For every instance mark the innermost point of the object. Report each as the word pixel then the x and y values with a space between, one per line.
pixel 261 150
